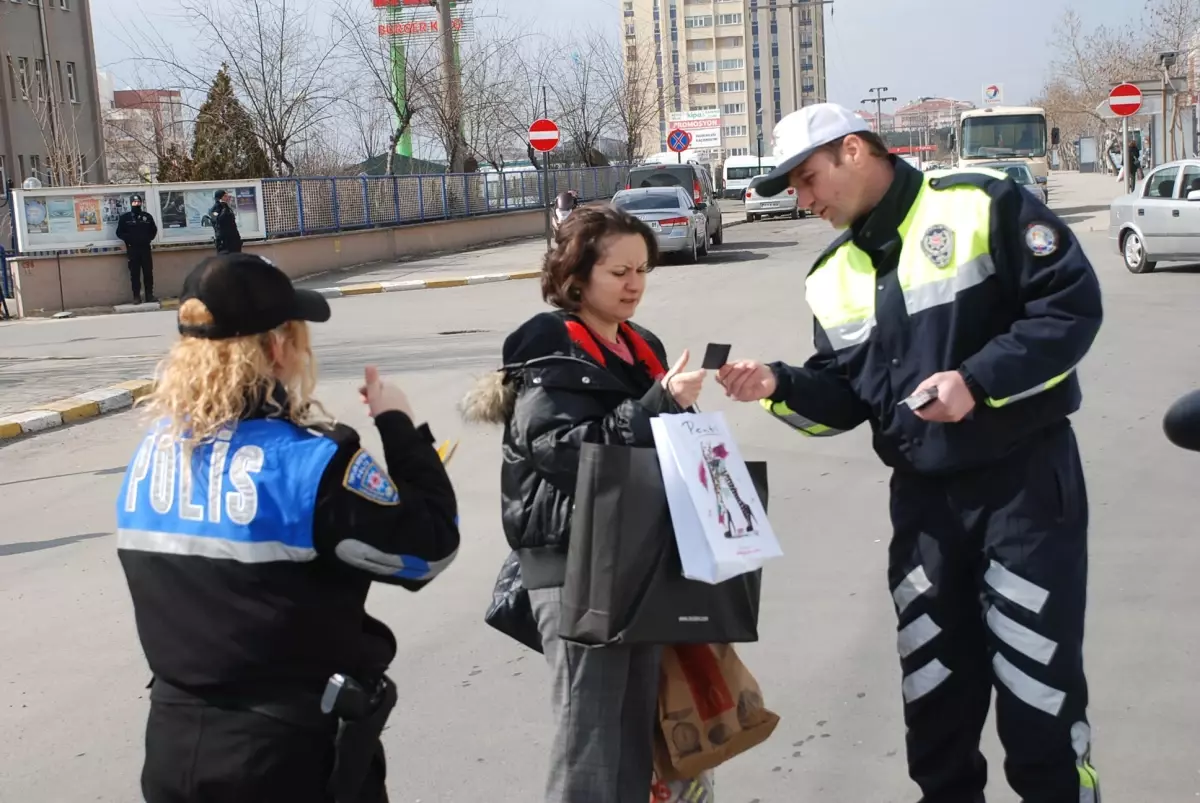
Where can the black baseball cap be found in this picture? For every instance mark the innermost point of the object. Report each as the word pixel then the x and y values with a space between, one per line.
pixel 247 295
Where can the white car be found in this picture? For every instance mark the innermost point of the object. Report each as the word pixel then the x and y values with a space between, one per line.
pixel 1160 219
pixel 757 206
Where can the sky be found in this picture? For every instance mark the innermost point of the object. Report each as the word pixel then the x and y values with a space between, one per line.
pixel 947 48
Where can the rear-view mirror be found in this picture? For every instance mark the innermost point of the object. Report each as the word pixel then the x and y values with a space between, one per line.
pixel 1193 195
pixel 1040 179
pixel 1054 136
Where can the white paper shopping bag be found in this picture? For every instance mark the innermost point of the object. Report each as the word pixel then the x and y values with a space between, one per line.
pixel 719 522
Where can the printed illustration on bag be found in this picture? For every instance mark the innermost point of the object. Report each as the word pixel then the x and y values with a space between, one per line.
pixel 713 465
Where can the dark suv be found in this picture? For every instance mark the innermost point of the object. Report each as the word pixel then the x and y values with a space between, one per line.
pixel 692 177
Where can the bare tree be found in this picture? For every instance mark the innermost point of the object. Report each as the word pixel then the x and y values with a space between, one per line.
pixel 635 99
pixel 65 165
pixel 448 115
pixel 377 60
pixel 585 103
pixel 532 68
pixel 1089 62
pixel 282 66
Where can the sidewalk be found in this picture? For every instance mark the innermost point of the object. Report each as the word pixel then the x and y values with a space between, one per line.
pixel 1082 199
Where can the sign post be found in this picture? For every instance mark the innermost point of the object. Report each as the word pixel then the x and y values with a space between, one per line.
pixel 678 141
pixel 543 138
pixel 1125 100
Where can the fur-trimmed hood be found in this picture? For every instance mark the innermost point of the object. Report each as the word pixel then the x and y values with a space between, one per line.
pixel 490 400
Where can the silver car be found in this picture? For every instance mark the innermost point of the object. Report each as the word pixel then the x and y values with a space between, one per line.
pixel 1160 219
pixel 785 203
pixel 1020 173
pixel 678 224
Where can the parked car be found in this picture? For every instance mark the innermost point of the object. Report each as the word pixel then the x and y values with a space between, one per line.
pixel 1160 219
pixel 758 206
pixel 693 178
pixel 678 224
pixel 1020 173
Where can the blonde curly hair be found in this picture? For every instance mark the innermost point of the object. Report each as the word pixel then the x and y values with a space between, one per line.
pixel 205 385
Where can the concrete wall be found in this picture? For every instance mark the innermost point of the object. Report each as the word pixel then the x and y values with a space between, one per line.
pixel 102 280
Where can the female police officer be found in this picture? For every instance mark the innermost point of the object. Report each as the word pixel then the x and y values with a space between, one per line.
pixel 250 530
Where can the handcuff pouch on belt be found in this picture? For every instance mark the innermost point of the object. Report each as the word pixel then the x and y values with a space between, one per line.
pixel 362 715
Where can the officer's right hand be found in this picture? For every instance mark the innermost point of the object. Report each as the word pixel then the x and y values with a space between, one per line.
pixel 380 396
pixel 747 380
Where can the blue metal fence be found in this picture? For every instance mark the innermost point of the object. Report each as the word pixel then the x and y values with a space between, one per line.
pixel 300 206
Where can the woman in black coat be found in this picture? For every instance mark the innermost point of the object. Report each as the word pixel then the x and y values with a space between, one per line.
pixel 583 373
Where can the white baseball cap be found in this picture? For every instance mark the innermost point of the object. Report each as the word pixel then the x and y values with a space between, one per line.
pixel 800 133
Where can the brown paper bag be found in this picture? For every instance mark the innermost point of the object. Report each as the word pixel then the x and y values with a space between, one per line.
pixel 710 709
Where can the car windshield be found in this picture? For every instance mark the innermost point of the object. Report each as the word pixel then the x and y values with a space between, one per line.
pixel 645 201
pixel 1004 135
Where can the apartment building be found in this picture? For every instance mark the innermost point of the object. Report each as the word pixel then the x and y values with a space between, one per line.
pixel 138 123
pixel 749 62
pixel 50 125
pixel 927 113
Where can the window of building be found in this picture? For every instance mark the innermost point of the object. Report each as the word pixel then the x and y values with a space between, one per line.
pixel 83 170
pixel 35 166
pixel 732 86
pixel 701 89
pixel 631 53
pixel 735 130
pixel 731 64
pixel 23 77
pixel 730 41
pixel 729 19
pixel 630 30
pixel 702 21
pixel 733 108
pixel 700 66
pixel 58 76
pixel 739 151
pixel 700 44
pixel 65 5
pixel 72 83
pixel 3 172
pixel 21 166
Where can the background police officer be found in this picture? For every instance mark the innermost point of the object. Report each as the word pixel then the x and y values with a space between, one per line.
pixel 228 238
pixel 961 285
pixel 250 530
pixel 137 229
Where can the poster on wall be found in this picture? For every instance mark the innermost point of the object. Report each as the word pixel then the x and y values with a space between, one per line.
pixel 187 212
pixel 73 219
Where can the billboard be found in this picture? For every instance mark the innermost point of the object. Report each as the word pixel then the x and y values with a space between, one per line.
pixel 704 125
pixel 68 219
pixel 993 94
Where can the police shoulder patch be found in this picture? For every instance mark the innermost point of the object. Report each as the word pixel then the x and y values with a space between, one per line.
pixel 369 480
pixel 1040 239
pixel 938 244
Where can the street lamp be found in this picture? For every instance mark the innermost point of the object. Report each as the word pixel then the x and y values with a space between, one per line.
pixel 878 100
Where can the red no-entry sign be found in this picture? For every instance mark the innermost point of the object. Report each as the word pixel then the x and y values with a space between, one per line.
pixel 1125 100
pixel 543 135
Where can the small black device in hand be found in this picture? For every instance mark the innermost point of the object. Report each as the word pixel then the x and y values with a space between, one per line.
pixel 715 356
pixel 921 398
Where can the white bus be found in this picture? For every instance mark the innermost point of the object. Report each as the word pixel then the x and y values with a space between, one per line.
pixel 1005 133
pixel 740 169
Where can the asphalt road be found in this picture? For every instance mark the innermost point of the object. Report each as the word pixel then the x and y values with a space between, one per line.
pixel 473 724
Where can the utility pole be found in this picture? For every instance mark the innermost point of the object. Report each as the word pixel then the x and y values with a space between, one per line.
pixel 453 82
pixel 878 100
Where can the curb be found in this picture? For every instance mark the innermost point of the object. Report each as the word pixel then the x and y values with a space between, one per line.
pixel 92 404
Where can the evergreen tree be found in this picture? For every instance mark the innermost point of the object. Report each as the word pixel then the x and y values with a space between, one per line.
pixel 225 146
pixel 174 164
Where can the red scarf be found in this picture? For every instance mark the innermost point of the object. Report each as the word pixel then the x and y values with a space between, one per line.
pixel 582 337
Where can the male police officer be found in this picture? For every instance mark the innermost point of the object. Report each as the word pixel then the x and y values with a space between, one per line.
pixel 137 229
pixel 962 285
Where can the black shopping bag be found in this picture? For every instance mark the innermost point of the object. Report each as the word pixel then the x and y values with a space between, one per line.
pixel 511 612
pixel 624 582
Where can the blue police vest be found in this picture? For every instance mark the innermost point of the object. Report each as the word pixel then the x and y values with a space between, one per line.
pixel 248 496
